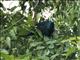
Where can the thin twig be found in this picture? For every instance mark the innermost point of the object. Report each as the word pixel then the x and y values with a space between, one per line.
pixel 36 4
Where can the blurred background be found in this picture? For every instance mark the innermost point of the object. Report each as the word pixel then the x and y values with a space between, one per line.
pixel 19 17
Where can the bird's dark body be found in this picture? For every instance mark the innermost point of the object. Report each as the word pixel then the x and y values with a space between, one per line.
pixel 46 27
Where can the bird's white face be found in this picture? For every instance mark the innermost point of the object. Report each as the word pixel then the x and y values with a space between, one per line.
pixel 47 13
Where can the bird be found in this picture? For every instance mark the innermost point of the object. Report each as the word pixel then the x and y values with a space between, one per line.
pixel 46 27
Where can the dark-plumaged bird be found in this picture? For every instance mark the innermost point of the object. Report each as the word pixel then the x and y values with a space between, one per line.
pixel 46 27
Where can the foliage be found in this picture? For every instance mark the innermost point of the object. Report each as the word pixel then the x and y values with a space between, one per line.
pixel 63 45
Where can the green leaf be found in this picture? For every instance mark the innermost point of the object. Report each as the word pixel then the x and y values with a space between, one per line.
pixel 4 51
pixel 78 45
pixel 54 56
pixel 34 44
pixel 13 32
pixel 6 57
pixel 70 39
pixel 8 41
pixel 70 51
pixel 51 42
pixel 43 57
pixel 40 47
pixel 39 33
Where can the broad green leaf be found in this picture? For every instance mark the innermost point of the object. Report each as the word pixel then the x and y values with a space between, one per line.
pixel 39 33
pixel 8 41
pixel 40 47
pixel 54 56
pixel 4 51
pixel 34 44
pixel 70 51
pixel 70 39
pixel 6 57
pixel 78 45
